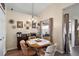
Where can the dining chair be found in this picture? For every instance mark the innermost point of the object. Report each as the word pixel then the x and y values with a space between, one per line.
pixel 47 38
pixel 27 51
pixel 50 51
pixel 32 37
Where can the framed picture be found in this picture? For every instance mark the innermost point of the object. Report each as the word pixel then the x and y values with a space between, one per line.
pixel 27 28
pixel 27 22
pixel 38 24
pixel 33 24
pixel 13 26
pixel 11 21
pixel 19 24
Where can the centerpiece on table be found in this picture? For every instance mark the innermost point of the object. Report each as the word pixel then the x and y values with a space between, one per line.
pixel 38 40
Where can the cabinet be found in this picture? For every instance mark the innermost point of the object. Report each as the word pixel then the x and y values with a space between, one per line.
pixel 20 37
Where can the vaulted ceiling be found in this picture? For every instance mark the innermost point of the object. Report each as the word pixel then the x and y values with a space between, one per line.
pixel 27 7
pixel 37 7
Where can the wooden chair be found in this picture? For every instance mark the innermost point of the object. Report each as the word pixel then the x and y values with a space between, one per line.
pixel 50 51
pixel 27 51
pixel 32 37
pixel 41 52
pixel 47 37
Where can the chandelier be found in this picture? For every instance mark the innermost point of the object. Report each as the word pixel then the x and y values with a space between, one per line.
pixel 33 17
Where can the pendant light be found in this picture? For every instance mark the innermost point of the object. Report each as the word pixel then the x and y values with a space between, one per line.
pixel 33 17
pixel 32 12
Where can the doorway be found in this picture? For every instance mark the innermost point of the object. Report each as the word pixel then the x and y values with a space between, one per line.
pixel 71 36
pixel 66 33
pixel 47 29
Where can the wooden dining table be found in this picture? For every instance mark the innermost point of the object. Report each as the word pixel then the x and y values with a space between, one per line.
pixel 38 43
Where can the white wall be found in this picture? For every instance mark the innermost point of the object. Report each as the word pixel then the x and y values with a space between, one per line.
pixel 55 12
pixel 11 33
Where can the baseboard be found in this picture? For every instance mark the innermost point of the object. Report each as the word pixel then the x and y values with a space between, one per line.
pixel 60 51
pixel 11 48
pixel 76 46
pixel 4 53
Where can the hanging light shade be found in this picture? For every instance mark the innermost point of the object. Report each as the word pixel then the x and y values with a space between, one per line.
pixel 32 12
pixel 33 17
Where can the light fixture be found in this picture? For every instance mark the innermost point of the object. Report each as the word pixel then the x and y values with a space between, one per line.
pixel 33 19
pixel 32 12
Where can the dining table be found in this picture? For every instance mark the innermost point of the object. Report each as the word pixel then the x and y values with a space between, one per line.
pixel 38 43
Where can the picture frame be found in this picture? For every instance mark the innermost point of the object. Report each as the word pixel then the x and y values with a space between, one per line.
pixel 27 22
pixel 33 24
pixel 11 21
pixel 27 28
pixel 19 24
pixel 38 24
pixel 13 26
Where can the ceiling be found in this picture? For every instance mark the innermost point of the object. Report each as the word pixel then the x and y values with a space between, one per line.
pixel 37 7
pixel 27 7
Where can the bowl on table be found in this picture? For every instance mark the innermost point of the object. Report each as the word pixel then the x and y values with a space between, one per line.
pixel 38 40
